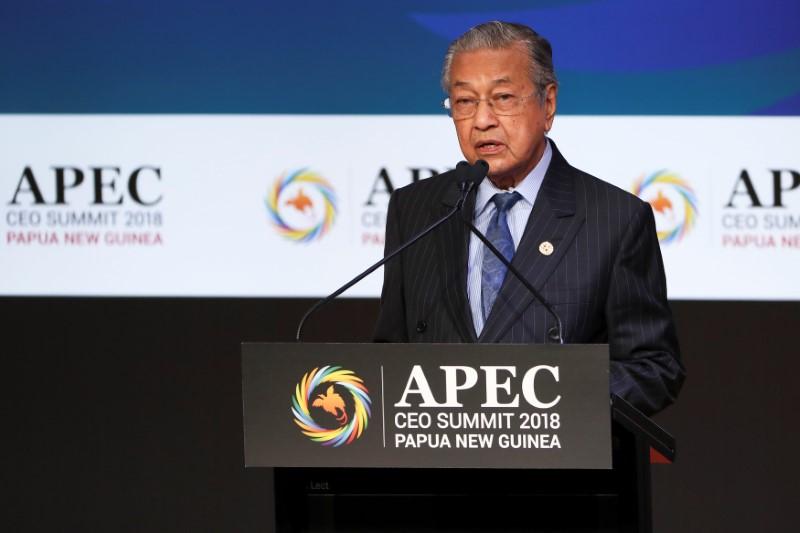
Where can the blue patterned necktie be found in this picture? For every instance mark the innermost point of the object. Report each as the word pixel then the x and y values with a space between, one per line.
pixel 494 272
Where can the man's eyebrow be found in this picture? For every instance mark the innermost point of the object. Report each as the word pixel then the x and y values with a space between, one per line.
pixel 498 81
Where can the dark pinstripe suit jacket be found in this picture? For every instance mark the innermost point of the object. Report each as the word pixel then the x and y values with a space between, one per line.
pixel 605 278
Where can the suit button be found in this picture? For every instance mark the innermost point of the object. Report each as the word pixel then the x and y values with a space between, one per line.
pixel 421 326
pixel 552 334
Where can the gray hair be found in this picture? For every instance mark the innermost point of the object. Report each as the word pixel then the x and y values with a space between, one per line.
pixel 498 35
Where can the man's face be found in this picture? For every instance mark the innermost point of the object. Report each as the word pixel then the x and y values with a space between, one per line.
pixel 512 145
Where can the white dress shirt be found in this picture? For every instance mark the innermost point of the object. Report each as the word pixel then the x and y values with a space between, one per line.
pixel 518 216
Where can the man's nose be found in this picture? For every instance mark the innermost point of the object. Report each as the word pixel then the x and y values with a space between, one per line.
pixel 484 116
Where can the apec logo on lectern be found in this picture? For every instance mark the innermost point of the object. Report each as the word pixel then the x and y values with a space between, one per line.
pixel 331 406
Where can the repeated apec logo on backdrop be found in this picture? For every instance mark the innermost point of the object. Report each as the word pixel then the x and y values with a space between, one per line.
pixel 302 205
pixel 89 206
pixel 673 201
pixel 331 406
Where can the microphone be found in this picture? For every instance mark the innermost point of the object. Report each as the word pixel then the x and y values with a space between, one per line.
pixel 558 334
pixel 466 178
pixel 475 173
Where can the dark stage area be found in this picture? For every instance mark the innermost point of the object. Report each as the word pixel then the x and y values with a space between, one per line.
pixel 125 414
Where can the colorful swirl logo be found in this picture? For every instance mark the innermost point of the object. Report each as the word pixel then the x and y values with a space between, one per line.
pixel 302 205
pixel 673 201
pixel 346 410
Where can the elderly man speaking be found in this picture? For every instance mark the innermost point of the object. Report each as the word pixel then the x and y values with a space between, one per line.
pixel 588 247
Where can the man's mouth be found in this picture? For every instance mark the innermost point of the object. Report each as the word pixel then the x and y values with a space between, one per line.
pixel 489 147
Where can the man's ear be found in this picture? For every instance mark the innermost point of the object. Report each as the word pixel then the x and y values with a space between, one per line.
pixel 550 104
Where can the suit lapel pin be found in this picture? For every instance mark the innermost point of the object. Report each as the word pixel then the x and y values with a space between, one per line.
pixel 546 248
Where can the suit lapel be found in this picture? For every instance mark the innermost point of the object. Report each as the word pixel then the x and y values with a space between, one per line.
pixel 554 220
pixel 453 246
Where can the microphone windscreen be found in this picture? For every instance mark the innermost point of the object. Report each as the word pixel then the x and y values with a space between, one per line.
pixel 478 171
pixel 461 170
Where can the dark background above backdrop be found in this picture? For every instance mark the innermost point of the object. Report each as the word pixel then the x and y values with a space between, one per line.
pixel 125 414
pixel 613 57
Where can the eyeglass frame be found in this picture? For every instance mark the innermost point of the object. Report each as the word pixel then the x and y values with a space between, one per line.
pixel 447 107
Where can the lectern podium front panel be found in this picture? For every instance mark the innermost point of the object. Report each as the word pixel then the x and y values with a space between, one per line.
pixel 446 438
pixel 426 406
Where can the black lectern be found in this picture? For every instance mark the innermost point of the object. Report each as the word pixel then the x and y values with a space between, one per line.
pixel 404 437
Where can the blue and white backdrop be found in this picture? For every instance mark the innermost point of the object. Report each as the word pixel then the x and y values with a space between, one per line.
pixel 248 149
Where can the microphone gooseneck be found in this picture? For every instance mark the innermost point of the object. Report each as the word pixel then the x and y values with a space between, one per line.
pixel 517 274
pixel 465 181
pixel 468 177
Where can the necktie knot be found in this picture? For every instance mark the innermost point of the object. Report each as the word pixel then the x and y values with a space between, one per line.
pixel 504 201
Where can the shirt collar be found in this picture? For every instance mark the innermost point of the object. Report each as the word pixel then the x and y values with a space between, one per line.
pixel 528 188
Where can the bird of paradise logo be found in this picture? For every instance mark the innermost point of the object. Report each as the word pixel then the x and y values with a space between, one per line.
pixel 301 205
pixel 317 391
pixel 673 201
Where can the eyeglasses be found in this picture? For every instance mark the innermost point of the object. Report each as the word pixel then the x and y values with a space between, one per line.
pixel 500 104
